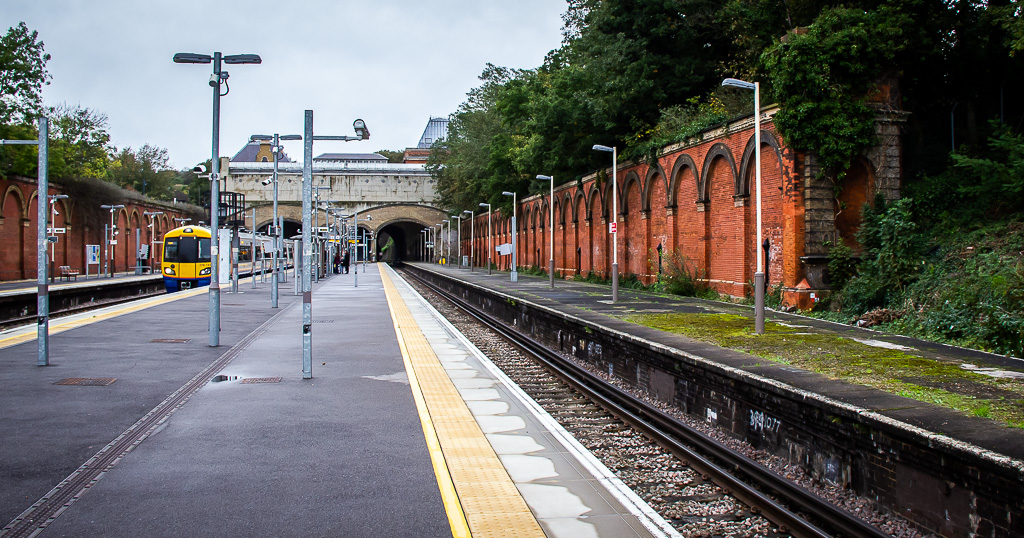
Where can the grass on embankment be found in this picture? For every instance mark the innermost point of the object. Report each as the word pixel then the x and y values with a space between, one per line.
pixel 836 357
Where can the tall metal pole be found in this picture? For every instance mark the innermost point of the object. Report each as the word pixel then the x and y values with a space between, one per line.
pixel 489 247
pixel 43 295
pixel 307 247
pixel 214 295
pixel 551 230
pixel 759 275
pixel 278 242
pixel 615 219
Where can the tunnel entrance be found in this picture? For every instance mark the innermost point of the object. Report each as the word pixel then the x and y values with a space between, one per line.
pixel 400 242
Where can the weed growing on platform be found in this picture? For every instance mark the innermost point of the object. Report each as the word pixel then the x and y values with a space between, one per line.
pixel 893 371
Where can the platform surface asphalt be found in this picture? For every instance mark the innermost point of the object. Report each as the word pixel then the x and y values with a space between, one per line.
pixel 256 450
pixel 592 302
pixel 342 454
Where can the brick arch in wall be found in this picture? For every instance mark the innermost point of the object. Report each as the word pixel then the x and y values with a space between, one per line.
pixel 656 202
pixel 583 230
pixel 12 211
pixel 725 222
pixel 772 196
pixel 684 169
pixel 600 262
pixel 857 189
pixel 632 232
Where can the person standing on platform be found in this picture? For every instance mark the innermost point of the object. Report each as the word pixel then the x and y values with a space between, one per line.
pixel 344 262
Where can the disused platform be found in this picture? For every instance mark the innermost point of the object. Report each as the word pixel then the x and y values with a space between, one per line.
pixel 180 438
pixel 952 471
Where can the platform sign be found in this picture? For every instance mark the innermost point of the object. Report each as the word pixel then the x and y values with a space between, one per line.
pixel 504 249
pixel 92 254
pixel 54 231
pixel 613 227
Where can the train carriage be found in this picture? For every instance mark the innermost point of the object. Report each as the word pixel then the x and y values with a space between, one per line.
pixel 186 261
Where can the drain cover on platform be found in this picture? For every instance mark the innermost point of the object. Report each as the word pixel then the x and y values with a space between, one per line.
pixel 261 380
pixel 87 381
pixel 171 340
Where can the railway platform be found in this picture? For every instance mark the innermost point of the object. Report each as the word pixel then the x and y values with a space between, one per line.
pixel 592 302
pixel 139 428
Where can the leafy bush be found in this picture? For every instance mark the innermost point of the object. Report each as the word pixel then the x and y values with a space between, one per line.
pixel 893 255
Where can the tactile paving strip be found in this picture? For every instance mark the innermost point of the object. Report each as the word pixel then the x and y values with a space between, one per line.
pixel 489 499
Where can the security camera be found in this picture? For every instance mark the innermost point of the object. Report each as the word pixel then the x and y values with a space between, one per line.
pixel 267 181
pixel 214 79
pixel 369 217
pixel 201 169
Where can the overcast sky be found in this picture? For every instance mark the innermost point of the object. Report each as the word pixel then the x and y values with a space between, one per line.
pixel 393 63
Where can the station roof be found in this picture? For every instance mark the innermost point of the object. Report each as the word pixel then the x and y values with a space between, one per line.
pixel 250 152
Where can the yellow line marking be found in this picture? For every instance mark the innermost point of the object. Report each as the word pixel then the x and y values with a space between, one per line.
pixel 479 496
pixel 28 334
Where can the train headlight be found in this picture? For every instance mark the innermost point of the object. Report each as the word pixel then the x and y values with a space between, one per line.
pixel 204 271
pixel 169 270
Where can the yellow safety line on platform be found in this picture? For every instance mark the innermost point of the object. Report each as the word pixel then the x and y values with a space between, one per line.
pixel 475 486
pixel 27 334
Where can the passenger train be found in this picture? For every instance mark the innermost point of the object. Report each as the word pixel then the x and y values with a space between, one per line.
pixel 186 258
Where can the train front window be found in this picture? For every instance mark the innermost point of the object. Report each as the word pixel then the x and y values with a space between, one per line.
pixel 187 250
pixel 170 249
pixel 204 250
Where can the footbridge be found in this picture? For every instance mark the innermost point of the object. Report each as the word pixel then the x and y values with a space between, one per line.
pixel 398 198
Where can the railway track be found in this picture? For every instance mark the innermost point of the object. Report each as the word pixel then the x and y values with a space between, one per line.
pixel 698 484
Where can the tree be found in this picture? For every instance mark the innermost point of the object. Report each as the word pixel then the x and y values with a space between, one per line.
pixel 393 156
pixel 22 75
pixel 145 170
pixel 79 142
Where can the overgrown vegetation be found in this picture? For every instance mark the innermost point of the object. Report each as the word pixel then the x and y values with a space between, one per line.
pixel 79 144
pixel 895 371
pixel 948 260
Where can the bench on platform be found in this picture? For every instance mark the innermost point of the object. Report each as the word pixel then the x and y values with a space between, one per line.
pixel 67 273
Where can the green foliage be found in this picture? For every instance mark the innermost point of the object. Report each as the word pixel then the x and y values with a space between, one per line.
pixel 841 265
pixel 393 156
pixel 823 78
pixel 893 255
pixel 22 75
pixel 999 178
pixel 144 170
pixel 682 276
pixel 79 142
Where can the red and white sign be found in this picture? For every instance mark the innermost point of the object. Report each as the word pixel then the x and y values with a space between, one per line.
pixel 613 227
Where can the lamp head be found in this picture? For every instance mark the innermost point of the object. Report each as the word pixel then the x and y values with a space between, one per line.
pixel 192 58
pixel 506 193
pixel 361 130
pixel 541 176
pixel 243 59
pixel 485 205
pixel 737 83
pixel 599 147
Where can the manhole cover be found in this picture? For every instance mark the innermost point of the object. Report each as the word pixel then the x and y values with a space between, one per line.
pixel 87 381
pixel 248 380
pixel 171 340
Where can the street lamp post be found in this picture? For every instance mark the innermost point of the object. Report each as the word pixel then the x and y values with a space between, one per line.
pixel 362 133
pixel 53 228
pixel 489 248
pixel 111 240
pixel 551 231
pixel 613 228
pixel 277 231
pixel 759 274
pixel 446 241
pixel 43 293
pixel 438 242
pixel 218 77
pixel 152 240
pixel 515 232
pixel 472 238
pixel 458 236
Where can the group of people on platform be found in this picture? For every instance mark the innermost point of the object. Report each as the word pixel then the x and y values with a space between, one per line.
pixel 341 263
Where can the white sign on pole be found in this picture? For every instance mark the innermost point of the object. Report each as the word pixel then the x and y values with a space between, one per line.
pixel 613 227
pixel 504 249
pixel 92 254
